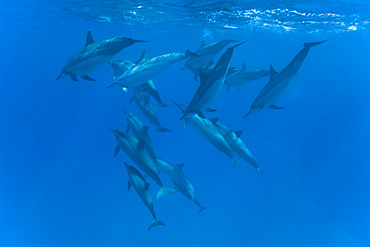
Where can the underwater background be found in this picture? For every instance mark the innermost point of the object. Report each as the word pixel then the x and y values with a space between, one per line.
pixel 60 184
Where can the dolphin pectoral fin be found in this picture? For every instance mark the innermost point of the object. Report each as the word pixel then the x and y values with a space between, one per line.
pixel 210 110
pixel 127 128
pixel 60 76
pixel 275 107
pixel 140 145
pixel 238 133
pixel 235 161
pixel 163 129
pixel 201 209
pixel 73 77
pixel 214 120
pixel 260 171
pixel 155 223
pixel 165 191
pixel 129 184
pixel 116 151
pixel 87 78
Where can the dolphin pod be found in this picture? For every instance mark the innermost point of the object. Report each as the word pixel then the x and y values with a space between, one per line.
pixel 139 74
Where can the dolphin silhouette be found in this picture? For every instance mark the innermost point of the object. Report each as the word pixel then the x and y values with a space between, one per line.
pixel 279 81
pixel 94 55
pixel 142 189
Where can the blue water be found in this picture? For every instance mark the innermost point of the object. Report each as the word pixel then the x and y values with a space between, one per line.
pixel 61 186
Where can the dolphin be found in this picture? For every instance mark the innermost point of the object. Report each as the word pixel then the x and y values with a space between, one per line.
pixel 237 144
pixel 141 133
pixel 181 182
pixel 206 129
pixel 244 76
pixel 142 101
pixel 121 66
pixel 94 55
pixel 210 85
pixel 146 68
pixel 135 150
pixel 142 189
pixel 205 55
pixel 279 81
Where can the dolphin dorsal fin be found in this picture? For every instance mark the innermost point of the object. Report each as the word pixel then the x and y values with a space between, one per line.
pixel 89 39
pixel 147 185
pixel 143 57
pixel 272 72
pixel 178 166
pixel 238 133
pixel 214 120
pixel 202 43
pixel 244 66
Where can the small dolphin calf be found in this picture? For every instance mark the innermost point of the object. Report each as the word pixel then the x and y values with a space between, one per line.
pixel 142 188
pixel 181 182
pixel 279 81
pixel 210 85
pixel 146 68
pixel 243 76
pixel 94 55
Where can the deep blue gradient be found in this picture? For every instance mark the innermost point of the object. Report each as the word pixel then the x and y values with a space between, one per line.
pixel 61 186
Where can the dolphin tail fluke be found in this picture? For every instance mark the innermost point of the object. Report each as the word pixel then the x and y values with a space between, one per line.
pixel 309 45
pixel 155 223
pixel 162 105
pixel 201 209
pixel 260 171
pixel 162 129
pixel 165 191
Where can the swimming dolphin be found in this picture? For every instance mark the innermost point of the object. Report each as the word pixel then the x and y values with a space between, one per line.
pixel 142 101
pixel 206 129
pixel 181 182
pixel 94 55
pixel 142 189
pixel 210 85
pixel 141 133
pixel 135 150
pixel 244 76
pixel 121 66
pixel 237 144
pixel 205 55
pixel 279 81
pixel 146 68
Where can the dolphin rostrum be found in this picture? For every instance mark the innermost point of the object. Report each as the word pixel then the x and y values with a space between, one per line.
pixel 142 189
pixel 94 55
pixel 181 182
pixel 210 85
pixel 279 81
pixel 135 150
